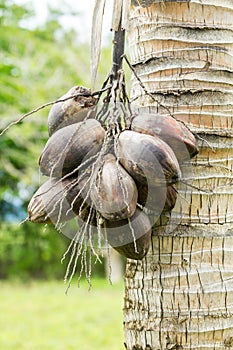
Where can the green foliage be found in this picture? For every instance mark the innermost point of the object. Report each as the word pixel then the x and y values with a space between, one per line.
pixel 36 66
pixel 31 250
pixel 11 13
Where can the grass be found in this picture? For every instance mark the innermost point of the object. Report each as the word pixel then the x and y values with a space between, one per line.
pixel 39 316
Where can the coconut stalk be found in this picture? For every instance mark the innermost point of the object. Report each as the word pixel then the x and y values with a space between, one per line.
pixel 118 50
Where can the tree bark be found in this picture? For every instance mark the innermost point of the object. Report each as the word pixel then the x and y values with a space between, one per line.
pixel 181 295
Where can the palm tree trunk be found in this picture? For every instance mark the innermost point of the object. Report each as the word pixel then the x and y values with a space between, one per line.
pixel 181 295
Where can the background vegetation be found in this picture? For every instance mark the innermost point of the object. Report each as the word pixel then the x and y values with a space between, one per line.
pixel 39 316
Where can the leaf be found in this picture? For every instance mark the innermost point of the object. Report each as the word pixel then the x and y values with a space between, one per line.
pixel 125 14
pixel 117 14
pixel 96 36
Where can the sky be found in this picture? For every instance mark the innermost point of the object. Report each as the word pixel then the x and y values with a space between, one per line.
pixel 82 24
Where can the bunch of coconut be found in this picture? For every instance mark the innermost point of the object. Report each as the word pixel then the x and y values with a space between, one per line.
pixel 119 174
